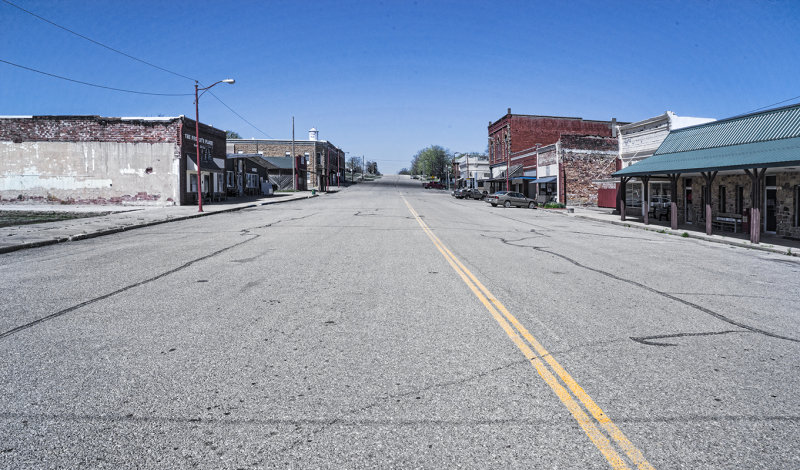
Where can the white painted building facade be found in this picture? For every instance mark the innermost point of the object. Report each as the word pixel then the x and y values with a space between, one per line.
pixel 473 170
pixel 639 140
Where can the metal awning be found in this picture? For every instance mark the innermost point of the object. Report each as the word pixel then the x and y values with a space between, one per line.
pixel 205 165
pixel 516 173
pixel 766 139
pixel 546 179
pixel 776 153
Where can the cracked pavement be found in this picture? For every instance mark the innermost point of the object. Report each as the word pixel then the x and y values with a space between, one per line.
pixel 330 333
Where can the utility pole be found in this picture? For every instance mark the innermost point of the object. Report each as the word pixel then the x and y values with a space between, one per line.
pixel 469 179
pixel 328 170
pixel 294 161
pixel 508 161
pixel 363 167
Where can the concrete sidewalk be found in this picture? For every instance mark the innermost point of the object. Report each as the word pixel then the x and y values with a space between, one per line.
pixel 769 242
pixel 121 218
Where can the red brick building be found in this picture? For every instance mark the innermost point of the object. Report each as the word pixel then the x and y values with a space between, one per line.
pixel 514 138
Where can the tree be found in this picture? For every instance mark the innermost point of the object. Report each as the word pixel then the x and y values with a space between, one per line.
pixel 372 168
pixel 232 135
pixel 432 161
pixel 354 165
pixel 403 171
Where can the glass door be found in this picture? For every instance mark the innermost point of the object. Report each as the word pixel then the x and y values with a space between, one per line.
pixel 770 221
pixel 689 210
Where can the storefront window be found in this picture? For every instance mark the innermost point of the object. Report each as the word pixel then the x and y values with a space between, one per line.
pixel 660 194
pixel 740 199
pixel 633 195
pixel 191 182
pixel 797 206
pixel 703 202
pixel 252 180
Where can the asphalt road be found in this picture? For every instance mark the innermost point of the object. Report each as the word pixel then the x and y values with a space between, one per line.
pixel 391 326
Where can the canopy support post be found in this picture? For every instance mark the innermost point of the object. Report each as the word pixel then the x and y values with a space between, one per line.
pixel 673 206
pixel 709 177
pixel 621 196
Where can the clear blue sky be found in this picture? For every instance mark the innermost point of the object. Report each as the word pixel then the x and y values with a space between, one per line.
pixel 387 78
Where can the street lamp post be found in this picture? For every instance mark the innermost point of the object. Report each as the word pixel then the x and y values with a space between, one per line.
pixel 197 88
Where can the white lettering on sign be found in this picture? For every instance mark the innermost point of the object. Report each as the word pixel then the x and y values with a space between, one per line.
pixel 202 140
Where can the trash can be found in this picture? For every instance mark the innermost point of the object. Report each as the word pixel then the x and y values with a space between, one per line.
pixel 313 192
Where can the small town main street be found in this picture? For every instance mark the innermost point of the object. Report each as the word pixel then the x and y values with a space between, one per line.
pixel 390 326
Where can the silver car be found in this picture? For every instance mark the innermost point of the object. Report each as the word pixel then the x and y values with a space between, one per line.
pixel 510 198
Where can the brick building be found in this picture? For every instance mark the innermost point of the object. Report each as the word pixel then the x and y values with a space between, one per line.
pixel 323 160
pixel 118 160
pixel 514 138
pixel 568 168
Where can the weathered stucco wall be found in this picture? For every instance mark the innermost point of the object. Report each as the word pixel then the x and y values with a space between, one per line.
pixel 90 172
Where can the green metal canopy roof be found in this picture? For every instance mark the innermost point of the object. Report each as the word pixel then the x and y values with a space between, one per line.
pixel 765 139
pixel 774 153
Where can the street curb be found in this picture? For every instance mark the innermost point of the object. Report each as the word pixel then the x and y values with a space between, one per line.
pixel 111 231
pixel 669 231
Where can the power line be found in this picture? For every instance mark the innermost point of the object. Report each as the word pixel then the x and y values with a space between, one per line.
pixel 240 116
pixel 94 84
pixel 96 42
pixel 768 106
pixel 126 55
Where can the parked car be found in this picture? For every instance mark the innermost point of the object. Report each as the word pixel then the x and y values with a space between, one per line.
pixel 433 185
pixel 475 193
pixel 510 198
pixel 458 193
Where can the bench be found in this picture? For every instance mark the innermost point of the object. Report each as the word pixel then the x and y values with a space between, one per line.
pixel 659 212
pixel 727 221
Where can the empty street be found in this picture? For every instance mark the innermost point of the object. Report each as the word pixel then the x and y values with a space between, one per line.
pixel 386 325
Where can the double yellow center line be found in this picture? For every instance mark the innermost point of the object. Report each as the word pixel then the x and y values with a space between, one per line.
pixel 516 331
